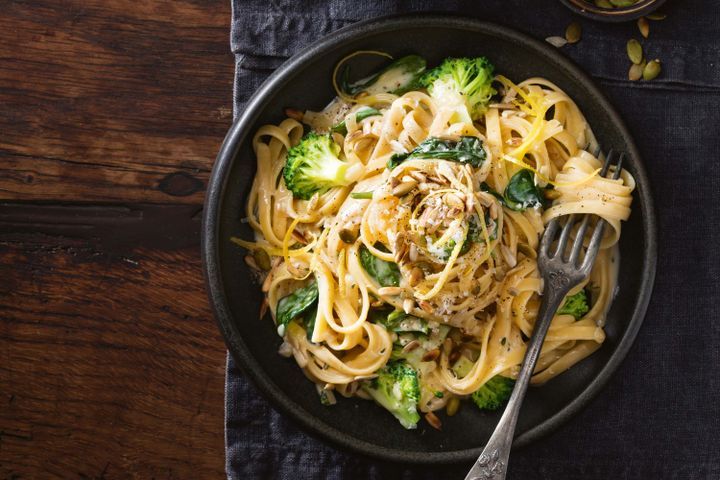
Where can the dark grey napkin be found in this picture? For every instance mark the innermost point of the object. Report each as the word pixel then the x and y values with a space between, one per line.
pixel 659 417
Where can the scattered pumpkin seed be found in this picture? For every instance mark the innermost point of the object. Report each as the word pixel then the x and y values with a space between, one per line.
pixel 636 71
pixel 452 406
pixel 347 235
pixel 556 41
pixel 294 114
pixel 572 33
pixel 634 51
pixel 603 4
pixel 643 26
pixel 651 70
pixel 656 16
pixel 262 259
pixel 433 420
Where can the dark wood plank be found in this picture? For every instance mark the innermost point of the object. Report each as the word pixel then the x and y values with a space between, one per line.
pixel 110 362
pixel 112 100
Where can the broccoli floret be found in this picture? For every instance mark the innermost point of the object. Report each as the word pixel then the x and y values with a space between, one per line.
pixel 494 393
pixel 462 81
pixel 397 390
pixel 575 305
pixel 313 166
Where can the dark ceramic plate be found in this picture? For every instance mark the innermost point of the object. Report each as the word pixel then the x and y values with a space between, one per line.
pixel 359 425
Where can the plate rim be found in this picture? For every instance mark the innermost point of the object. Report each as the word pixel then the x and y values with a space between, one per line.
pixel 239 131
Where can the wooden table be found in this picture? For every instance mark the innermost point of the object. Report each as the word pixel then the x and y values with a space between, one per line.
pixel 111 113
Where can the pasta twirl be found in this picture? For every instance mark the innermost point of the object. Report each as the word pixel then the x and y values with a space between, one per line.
pixel 425 251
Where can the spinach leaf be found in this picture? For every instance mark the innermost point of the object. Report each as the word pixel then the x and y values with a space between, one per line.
pixel 380 314
pixel 522 193
pixel 359 116
pixel 308 319
pixel 297 303
pixel 399 77
pixel 387 274
pixel 466 150
pixel 397 320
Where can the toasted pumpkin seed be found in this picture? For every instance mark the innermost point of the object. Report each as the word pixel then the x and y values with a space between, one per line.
pixel 452 406
pixel 556 41
pixel 651 70
pixel 426 306
pixel 656 16
pixel 433 420
pixel 411 346
pixel 389 291
pixel 413 253
pixel 295 114
pixel 636 71
pixel 404 188
pixel 347 235
pixel 408 305
pixel 454 356
pixel 643 26
pixel 415 276
pixel 634 51
pixel 573 32
pixel 603 4
pixel 431 355
pixel 262 259
pixel 250 262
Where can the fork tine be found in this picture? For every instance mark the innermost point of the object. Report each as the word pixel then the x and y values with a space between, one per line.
pixel 593 247
pixel 608 160
pixel 618 167
pixel 564 236
pixel 594 244
pixel 548 236
pixel 579 237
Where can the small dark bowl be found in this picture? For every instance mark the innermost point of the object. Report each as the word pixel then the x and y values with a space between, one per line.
pixel 588 9
pixel 360 425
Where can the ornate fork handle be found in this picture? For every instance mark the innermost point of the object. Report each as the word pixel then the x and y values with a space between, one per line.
pixel 492 463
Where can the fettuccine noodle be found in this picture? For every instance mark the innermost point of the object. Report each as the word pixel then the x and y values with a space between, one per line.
pixel 418 216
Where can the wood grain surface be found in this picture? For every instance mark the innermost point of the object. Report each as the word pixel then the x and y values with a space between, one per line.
pixel 111 113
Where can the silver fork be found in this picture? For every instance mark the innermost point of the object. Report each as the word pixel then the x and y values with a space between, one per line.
pixel 561 272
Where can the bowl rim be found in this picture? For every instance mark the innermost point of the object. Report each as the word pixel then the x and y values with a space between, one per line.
pixel 621 14
pixel 238 133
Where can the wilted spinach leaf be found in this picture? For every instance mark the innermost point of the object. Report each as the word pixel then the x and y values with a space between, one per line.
pixel 308 319
pixel 522 193
pixel 466 150
pixel 297 303
pixel 387 274
pixel 359 116
pixel 397 78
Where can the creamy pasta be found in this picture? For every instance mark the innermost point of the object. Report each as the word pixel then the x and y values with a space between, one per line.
pixel 425 257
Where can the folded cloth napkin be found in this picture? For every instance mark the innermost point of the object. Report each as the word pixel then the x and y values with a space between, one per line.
pixel 659 416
